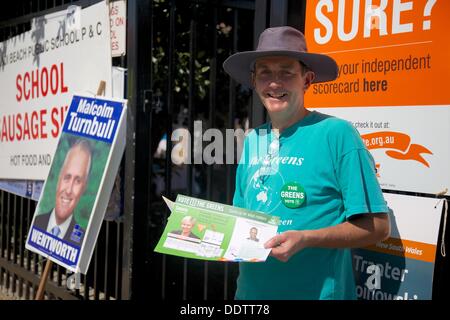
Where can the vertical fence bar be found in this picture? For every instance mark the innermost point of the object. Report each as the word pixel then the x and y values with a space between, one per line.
pixel 130 157
pixel 95 285
pixel 170 102
pixel 13 241
pixel 8 237
pixel 21 243
pixel 27 252
pixel 118 251
pixel 257 111
pixel 231 113
pixel 140 94
pixel 191 96
pixel 59 272
pixel 278 13
pixel 211 122
pixel 147 145
pixel 105 289
pixel 86 287
pixel 2 231
pixel 137 149
pixel 37 264
pixel 192 49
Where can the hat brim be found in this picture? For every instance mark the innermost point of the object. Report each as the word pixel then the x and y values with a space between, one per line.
pixel 239 65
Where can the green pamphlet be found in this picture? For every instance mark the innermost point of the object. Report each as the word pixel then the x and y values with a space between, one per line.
pixel 206 230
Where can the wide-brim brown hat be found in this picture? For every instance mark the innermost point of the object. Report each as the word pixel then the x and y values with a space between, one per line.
pixel 280 41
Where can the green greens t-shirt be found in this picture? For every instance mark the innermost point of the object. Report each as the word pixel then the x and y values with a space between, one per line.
pixel 320 175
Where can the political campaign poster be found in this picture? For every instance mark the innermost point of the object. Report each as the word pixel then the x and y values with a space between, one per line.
pixel 401 267
pixel 40 70
pixel 76 192
pixel 207 230
pixel 392 61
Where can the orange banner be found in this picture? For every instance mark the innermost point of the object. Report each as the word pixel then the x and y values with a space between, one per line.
pixel 389 53
pixel 406 248
pixel 401 142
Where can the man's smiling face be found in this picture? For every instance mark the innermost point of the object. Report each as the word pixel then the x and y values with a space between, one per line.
pixel 281 83
pixel 71 183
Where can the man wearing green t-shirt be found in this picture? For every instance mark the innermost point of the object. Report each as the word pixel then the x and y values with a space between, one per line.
pixel 310 169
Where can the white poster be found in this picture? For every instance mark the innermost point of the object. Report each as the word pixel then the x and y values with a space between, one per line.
pixel 402 266
pixel 64 52
pixel 408 144
pixel 118 23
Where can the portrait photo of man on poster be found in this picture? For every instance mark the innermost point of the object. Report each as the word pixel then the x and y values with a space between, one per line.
pixel 70 191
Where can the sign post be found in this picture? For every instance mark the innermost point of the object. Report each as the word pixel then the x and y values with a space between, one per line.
pixel 43 280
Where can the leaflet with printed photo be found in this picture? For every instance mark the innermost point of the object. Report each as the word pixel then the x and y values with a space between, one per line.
pixel 207 230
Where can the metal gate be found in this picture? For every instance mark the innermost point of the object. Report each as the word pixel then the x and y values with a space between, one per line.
pixel 175 81
pixel 186 88
pixel 175 51
pixel 183 87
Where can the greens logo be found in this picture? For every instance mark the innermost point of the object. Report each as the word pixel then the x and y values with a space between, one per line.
pixel 292 195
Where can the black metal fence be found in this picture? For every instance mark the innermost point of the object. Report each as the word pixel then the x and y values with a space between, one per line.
pixel 20 269
pixel 183 87
pixel 175 51
pixel 201 35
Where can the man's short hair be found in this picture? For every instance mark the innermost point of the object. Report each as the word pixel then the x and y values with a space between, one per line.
pixel 84 145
